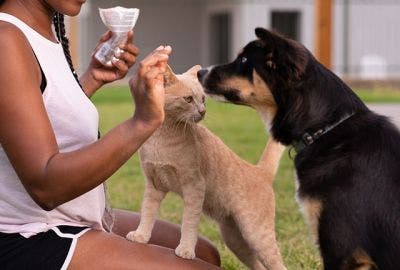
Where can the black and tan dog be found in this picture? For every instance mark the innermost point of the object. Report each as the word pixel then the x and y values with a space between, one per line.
pixel 348 158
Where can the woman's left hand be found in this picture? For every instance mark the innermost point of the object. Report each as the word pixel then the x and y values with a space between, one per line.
pixel 98 74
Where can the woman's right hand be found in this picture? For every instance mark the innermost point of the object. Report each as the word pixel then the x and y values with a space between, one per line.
pixel 147 87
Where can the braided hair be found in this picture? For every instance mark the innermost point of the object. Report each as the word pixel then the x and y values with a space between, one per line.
pixel 59 27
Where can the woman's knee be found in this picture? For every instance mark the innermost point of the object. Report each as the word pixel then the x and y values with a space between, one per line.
pixel 100 250
pixel 164 234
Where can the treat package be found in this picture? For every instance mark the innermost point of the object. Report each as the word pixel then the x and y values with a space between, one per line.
pixel 119 21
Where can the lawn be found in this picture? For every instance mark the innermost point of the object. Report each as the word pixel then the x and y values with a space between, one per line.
pixel 241 129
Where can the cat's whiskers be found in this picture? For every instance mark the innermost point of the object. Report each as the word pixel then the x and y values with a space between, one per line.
pixel 185 126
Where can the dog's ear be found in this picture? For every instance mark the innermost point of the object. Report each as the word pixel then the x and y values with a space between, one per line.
pixel 270 39
pixel 264 34
pixel 169 77
pixel 193 71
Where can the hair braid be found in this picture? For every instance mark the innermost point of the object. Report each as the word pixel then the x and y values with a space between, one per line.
pixel 59 27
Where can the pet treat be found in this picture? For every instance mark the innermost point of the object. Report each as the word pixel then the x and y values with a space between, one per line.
pixel 119 21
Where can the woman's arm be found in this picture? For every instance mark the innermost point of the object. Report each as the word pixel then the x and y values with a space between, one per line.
pixel 50 177
pixel 97 74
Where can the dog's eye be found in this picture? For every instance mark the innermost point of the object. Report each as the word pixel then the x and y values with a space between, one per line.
pixel 188 99
pixel 244 60
pixel 203 99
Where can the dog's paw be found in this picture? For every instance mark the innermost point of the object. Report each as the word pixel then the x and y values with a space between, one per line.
pixel 185 252
pixel 136 236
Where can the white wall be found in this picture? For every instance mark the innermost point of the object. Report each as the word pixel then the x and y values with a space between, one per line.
pixel 258 13
pixel 374 29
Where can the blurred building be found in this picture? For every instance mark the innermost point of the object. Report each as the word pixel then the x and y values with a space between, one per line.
pixel 365 45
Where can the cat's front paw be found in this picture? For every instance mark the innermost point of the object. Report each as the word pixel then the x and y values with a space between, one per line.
pixel 136 236
pixel 185 252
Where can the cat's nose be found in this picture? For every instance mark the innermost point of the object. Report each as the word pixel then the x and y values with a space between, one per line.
pixel 202 112
pixel 201 74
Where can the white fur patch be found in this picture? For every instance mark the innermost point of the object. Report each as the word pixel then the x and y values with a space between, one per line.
pixel 266 118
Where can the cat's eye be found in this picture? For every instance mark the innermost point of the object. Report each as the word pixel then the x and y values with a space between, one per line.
pixel 188 99
pixel 244 60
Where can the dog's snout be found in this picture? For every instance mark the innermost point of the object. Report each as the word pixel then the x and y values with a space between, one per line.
pixel 201 74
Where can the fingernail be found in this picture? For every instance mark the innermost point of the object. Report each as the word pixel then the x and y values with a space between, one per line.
pixel 168 47
pixel 115 60
pixel 160 48
pixel 118 52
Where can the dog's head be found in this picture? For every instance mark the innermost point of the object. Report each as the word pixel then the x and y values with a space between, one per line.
pixel 261 69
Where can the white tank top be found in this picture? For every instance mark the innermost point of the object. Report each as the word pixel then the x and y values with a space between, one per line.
pixel 74 119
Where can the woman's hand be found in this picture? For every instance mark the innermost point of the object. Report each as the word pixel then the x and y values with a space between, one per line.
pixel 147 87
pixel 97 74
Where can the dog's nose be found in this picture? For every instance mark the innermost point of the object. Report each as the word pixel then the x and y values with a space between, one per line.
pixel 201 74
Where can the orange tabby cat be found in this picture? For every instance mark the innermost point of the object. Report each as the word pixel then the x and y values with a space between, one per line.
pixel 186 158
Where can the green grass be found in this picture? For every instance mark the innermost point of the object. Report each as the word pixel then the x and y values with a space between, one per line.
pixel 241 129
pixel 379 95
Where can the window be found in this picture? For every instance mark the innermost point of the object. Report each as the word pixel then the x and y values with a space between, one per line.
pixel 287 23
pixel 220 38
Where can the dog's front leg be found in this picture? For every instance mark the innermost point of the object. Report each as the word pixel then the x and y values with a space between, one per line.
pixel 193 196
pixel 151 203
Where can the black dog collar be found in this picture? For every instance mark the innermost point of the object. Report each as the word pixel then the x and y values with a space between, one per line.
pixel 308 139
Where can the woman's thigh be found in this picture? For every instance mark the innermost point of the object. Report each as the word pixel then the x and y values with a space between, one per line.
pixel 164 234
pixel 100 250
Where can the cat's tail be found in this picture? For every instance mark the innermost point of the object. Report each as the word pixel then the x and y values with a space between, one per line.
pixel 270 158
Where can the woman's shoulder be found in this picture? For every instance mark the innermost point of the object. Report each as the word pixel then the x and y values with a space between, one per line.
pixel 12 36
pixel 16 54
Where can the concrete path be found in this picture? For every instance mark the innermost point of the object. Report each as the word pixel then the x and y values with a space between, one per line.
pixel 390 110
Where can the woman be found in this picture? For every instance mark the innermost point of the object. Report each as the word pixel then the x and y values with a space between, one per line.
pixel 52 166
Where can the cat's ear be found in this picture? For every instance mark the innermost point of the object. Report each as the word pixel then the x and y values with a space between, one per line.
pixel 193 71
pixel 169 77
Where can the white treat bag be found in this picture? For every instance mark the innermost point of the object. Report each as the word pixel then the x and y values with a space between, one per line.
pixel 119 21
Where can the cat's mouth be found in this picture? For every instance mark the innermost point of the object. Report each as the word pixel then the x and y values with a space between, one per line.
pixel 192 120
pixel 198 118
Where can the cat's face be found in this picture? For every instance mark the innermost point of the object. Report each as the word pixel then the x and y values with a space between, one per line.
pixel 184 97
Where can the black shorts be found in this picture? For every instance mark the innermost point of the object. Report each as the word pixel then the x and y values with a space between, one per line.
pixel 49 250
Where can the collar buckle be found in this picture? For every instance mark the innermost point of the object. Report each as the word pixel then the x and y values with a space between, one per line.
pixel 307 139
